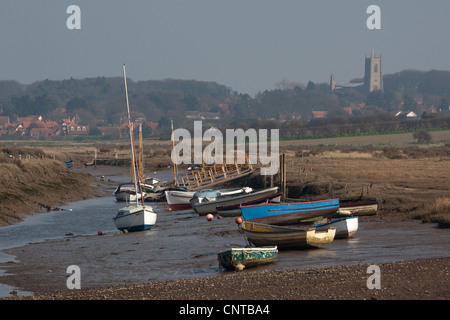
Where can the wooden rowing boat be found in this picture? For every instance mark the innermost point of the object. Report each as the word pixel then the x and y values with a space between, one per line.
pixel 345 227
pixel 286 237
pixel 289 213
pixel 241 258
pixel 205 207
pixel 180 199
pixel 359 207
pixel 233 210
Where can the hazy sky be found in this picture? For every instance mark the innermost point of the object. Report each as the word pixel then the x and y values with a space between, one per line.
pixel 248 45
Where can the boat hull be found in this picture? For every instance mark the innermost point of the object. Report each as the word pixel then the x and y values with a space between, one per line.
pixel 204 208
pixel 286 238
pixel 135 218
pixel 180 200
pixel 234 210
pixel 126 192
pixel 364 207
pixel 289 213
pixel 345 227
pixel 240 258
pixel 127 196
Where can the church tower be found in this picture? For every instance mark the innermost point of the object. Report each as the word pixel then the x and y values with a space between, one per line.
pixel 373 79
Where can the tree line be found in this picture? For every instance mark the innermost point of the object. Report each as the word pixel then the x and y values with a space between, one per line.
pixel 100 102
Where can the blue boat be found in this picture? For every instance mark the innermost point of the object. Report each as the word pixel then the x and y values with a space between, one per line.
pixel 68 163
pixel 289 213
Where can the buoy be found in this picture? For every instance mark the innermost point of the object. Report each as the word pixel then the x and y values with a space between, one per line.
pixel 238 220
pixel 209 217
pixel 99 233
pixel 170 209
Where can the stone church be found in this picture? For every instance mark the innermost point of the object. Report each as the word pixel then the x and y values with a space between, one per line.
pixel 373 78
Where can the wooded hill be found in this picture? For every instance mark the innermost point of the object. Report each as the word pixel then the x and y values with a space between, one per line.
pixel 101 102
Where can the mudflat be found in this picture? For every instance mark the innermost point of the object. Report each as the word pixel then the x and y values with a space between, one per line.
pixel 412 183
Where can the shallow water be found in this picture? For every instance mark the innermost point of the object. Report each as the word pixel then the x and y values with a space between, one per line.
pixel 84 218
pixel 184 245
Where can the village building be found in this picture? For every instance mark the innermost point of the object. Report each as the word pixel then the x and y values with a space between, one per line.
pixel 198 115
pixel 319 114
pixel 69 127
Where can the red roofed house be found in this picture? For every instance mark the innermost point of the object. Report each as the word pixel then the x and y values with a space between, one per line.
pixel 3 120
pixel 320 114
pixel 124 130
pixel 41 132
pixel 69 127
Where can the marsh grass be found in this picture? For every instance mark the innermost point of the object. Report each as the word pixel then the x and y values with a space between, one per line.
pixel 441 212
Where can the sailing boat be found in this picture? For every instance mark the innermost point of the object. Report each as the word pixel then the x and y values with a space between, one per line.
pixel 135 216
pixel 126 191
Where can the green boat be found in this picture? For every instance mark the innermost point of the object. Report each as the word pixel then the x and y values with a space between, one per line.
pixel 241 258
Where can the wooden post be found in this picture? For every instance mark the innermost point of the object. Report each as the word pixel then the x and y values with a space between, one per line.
pixel 282 175
pixel 284 178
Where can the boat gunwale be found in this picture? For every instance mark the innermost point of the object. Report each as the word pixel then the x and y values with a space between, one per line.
pixel 334 221
pixel 230 207
pixel 134 212
pixel 234 197
pixel 291 203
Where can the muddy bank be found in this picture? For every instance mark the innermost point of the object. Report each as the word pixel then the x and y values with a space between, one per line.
pixel 410 180
pixel 30 186
pixel 35 179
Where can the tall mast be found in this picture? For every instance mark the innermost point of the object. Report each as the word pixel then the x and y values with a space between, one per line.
pixel 174 164
pixel 141 153
pixel 131 135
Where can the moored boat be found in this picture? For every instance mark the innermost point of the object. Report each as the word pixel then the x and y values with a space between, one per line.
pixel 69 163
pixel 205 207
pixel 211 195
pixel 127 192
pixel 180 199
pixel 360 207
pixel 240 258
pixel 289 213
pixel 345 227
pixel 233 210
pixel 261 234
pixel 135 218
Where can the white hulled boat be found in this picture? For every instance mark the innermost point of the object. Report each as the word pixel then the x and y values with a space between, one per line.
pixel 135 216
